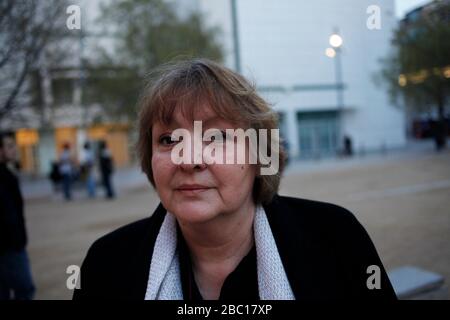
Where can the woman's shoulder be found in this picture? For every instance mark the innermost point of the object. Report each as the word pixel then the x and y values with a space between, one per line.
pixel 312 219
pixel 335 244
pixel 124 235
pixel 122 255
pixel 312 211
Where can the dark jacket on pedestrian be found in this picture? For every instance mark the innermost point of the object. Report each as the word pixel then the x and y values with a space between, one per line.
pixel 13 235
pixel 106 163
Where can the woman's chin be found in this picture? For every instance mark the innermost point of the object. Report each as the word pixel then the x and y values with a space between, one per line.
pixel 194 212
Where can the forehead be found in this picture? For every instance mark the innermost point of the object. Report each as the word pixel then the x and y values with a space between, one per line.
pixel 203 113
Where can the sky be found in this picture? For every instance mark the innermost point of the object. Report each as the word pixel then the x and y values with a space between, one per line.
pixel 403 6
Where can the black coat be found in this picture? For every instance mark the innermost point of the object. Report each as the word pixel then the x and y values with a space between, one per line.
pixel 13 235
pixel 106 163
pixel 324 249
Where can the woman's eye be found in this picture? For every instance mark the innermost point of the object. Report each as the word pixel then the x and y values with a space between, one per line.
pixel 213 137
pixel 223 134
pixel 166 140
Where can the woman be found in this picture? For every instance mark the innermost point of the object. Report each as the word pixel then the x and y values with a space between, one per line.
pixel 221 230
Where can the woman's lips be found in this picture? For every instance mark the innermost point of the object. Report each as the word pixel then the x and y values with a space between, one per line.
pixel 192 189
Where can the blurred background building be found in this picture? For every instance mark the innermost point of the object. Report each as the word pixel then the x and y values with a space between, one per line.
pixel 323 90
pixel 320 98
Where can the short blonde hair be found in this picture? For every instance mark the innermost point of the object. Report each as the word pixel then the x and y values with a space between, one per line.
pixel 184 85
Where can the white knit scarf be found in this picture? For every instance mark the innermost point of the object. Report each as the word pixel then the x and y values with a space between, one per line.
pixel 164 282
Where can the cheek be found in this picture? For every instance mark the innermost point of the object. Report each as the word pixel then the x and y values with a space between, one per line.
pixel 162 169
pixel 235 177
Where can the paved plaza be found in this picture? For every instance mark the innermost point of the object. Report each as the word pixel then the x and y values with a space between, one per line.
pixel 403 201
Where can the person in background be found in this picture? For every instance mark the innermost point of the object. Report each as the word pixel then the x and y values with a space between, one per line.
pixel 55 176
pixel 15 275
pixel 106 169
pixel 66 169
pixel 348 147
pixel 88 165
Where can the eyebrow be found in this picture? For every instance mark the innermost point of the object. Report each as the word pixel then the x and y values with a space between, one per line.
pixel 211 119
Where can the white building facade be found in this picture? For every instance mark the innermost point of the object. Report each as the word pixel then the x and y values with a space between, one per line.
pixel 281 47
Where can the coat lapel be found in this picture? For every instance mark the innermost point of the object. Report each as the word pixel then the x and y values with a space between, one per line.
pixel 299 246
pixel 139 266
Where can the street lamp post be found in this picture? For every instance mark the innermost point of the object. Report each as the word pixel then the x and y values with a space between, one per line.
pixel 335 52
pixel 336 43
pixel 237 50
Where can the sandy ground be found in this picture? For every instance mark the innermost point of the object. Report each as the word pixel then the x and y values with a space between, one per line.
pixel 403 202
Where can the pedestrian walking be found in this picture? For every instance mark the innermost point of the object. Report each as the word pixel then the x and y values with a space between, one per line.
pixel 88 170
pixel 16 282
pixel 66 167
pixel 106 169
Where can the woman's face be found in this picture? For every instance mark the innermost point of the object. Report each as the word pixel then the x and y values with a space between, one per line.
pixel 198 193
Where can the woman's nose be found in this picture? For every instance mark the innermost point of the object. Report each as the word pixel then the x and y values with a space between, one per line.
pixel 193 167
pixel 196 158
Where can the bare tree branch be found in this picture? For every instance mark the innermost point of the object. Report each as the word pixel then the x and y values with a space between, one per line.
pixel 27 29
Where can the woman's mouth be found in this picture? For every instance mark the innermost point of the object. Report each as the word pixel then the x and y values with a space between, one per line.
pixel 192 189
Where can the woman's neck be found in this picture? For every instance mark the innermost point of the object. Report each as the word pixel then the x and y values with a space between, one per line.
pixel 217 246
